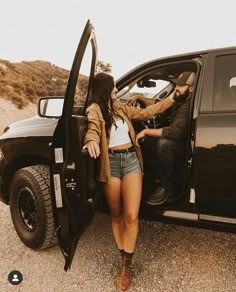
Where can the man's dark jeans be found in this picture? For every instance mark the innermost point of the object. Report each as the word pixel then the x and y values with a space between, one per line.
pixel 166 158
pixel 170 159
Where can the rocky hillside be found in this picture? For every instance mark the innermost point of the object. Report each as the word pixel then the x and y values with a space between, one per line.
pixel 21 85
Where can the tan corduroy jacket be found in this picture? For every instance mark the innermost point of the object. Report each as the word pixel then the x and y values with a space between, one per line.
pixel 96 130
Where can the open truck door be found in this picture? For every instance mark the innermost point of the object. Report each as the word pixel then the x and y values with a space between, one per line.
pixel 71 169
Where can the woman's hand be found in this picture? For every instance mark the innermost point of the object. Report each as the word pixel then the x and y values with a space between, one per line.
pixel 141 135
pixel 172 95
pixel 93 149
pixel 132 99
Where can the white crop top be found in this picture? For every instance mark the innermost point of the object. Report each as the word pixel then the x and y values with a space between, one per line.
pixel 119 135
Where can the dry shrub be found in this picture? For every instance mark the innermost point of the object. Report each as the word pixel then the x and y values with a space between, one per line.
pixel 19 102
pixel 26 81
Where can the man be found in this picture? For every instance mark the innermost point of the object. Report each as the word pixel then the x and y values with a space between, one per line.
pixel 171 140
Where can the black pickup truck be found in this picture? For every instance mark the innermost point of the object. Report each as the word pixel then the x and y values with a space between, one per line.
pixel 49 182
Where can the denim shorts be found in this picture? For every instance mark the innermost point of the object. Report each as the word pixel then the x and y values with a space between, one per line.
pixel 122 164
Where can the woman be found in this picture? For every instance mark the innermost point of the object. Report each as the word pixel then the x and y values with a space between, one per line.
pixel 111 138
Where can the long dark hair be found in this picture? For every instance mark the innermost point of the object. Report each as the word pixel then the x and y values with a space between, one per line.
pixel 102 86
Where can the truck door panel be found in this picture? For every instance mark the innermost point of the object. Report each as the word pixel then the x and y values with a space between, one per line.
pixel 215 143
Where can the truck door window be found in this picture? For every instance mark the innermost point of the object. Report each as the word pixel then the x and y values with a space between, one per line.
pixel 83 79
pixel 225 84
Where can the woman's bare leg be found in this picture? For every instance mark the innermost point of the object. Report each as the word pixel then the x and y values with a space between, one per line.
pixel 131 187
pixel 114 199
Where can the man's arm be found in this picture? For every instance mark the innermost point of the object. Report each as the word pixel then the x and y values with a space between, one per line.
pixel 148 132
pixel 176 131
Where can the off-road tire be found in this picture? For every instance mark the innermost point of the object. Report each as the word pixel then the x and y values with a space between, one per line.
pixel 31 207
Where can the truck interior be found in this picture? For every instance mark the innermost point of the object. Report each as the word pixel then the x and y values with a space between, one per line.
pixel 158 84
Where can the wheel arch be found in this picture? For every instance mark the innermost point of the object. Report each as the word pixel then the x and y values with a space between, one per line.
pixel 14 166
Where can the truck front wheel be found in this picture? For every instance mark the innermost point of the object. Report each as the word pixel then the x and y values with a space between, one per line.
pixel 31 207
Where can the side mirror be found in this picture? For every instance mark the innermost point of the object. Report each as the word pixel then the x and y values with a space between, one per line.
pixel 50 107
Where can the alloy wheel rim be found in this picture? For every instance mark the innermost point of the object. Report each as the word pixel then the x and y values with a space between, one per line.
pixel 27 209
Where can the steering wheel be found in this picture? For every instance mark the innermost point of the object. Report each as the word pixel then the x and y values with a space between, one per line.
pixel 151 124
pixel 138 104
pixel 158 121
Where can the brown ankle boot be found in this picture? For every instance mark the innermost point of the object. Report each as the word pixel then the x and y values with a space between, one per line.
pixel 124 274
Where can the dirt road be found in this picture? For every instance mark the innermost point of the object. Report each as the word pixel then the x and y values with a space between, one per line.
pixel 168 258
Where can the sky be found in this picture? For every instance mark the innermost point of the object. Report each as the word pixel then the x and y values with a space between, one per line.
pixel 128 32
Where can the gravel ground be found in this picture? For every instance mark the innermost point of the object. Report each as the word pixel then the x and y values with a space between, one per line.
pixel 168 258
